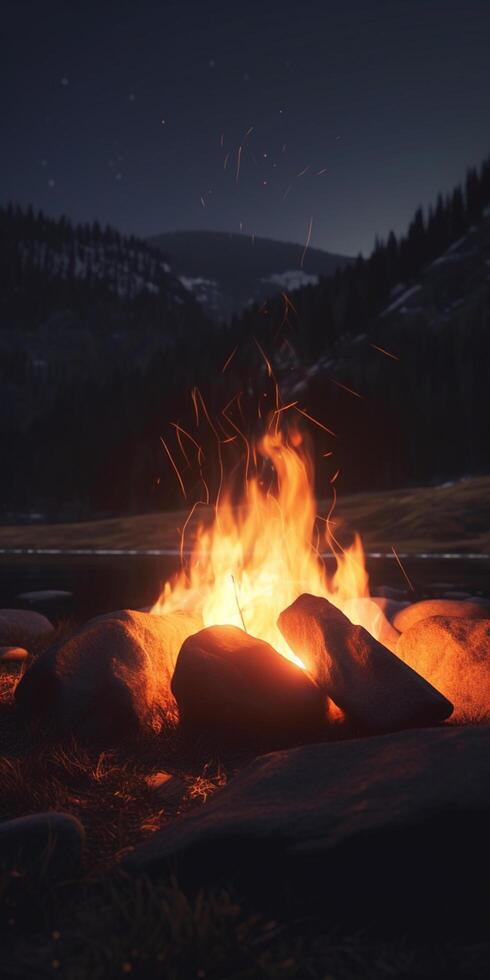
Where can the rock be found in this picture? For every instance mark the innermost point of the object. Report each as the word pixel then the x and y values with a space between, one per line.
pixel 10 655
pixel 454 655
pixel 389 592
pixel 110 680
pixel 373 687
pixel 370 614
pixel 45 595
pixel 240 690
pixel 168 788
pixel 414 613
pixel 21 626
pixel 49 843
pixel 391 826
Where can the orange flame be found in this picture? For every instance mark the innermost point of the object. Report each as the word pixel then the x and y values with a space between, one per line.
pixel 257 557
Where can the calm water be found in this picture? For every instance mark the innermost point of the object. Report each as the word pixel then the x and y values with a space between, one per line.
pixel 101 582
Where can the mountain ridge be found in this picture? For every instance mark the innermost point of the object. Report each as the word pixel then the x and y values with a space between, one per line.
pixel 230 271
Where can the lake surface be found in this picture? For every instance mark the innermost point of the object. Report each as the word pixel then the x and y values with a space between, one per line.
pixel 103 581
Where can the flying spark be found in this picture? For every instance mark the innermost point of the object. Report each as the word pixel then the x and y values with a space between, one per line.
pixel 411 587
pixel 346 388
pixel 238 162
pixel 308 240
pixel 174 464
pixel 266 359
pixel 316 422
pixel 383 351
pixel 229 360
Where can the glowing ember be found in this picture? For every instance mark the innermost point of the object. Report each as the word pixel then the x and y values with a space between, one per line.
pixel 259 556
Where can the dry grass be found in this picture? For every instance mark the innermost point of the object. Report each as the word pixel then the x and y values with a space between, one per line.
pixel 149 930
pixel 102 929
pixel 107 790
pixel 447 518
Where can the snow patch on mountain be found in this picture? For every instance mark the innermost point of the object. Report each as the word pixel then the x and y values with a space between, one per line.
pixel 127 271
pixel 206 291
pixel 401 301
pixel 291 279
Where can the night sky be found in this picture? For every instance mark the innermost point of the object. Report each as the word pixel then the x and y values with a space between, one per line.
pixel 117 111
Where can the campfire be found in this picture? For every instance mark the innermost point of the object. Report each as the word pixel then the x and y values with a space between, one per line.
pixel 260 554
pixel 253 641
pixel 258 581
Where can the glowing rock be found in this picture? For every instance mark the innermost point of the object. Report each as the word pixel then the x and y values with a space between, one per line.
pixel 453 654
pixel 406 618
pixel 9 655
pixel 239 689
pixel 373 687
pixel 110 680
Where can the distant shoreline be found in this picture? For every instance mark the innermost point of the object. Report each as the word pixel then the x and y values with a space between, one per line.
pixel 450 520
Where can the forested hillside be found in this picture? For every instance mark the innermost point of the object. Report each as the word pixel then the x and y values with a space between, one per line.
pixel 51 265
pixel 391 353
pixel 79 306
pixel 76 304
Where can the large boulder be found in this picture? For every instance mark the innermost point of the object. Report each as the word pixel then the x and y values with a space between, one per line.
pixel 46 843
pixel 375 690
pixel 110 680
pixel 241 691
pixel 393 826
pixel 19 627
pixel 426 608
pixel 454 655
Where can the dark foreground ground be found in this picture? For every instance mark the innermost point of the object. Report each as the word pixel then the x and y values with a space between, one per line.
pixel 102 923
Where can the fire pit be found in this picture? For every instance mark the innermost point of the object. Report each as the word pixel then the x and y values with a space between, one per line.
pixel 252 641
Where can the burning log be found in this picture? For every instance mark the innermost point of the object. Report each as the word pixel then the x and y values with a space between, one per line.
pixel 375 689
pixel 237 687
